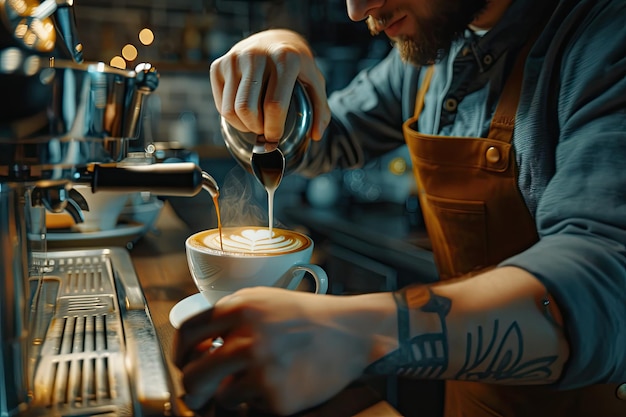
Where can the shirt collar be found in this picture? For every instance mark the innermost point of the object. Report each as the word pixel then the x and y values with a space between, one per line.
pixel 511 32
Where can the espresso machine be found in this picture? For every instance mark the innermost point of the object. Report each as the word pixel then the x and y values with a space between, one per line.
pixel 75 331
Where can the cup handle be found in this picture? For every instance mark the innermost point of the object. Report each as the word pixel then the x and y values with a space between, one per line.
pixel 316 271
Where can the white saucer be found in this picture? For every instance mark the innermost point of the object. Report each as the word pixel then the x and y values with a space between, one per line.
pixel 145 213
pixel 188 307
pixel 124 234
pixel 120 230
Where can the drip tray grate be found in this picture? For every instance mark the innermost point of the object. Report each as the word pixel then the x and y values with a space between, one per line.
pixel 89 325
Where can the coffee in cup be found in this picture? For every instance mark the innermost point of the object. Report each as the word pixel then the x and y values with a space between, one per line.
pixel 250 256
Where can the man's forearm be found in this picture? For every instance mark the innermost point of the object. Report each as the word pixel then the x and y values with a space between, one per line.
pixel 497 327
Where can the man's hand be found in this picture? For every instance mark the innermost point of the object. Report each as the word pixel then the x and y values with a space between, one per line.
pixel 283 351
pixel 253 83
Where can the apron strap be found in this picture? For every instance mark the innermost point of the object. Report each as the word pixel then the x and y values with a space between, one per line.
pixel 503 121
pixel 421 94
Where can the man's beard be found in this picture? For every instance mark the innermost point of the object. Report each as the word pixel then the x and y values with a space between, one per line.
pixel 435 34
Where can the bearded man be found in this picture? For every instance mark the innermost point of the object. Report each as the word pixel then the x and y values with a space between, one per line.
pixel 514 114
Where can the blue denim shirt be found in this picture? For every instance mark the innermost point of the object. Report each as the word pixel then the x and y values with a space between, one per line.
pixel 570 145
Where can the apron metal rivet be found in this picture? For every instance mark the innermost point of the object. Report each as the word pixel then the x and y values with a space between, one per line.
pixel 493 154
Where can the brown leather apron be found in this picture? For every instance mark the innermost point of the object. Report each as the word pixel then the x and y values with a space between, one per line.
pixel 476 217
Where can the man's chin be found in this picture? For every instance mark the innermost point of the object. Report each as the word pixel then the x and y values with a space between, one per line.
pixel 418 55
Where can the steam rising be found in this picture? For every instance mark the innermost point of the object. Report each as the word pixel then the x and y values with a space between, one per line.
pixel 240 198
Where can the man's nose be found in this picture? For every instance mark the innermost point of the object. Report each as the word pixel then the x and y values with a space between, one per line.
pixel 360 9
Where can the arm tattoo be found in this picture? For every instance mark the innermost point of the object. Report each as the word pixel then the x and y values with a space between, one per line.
pixel 422 356
pixel 501 360
pixel 487 359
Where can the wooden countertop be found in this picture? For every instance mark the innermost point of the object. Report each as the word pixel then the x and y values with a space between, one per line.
pixel 161 266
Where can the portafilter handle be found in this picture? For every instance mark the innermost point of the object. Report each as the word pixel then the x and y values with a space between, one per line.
pixel 184 179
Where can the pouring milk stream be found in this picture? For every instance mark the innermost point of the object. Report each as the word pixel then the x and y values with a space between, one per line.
pixel 270 161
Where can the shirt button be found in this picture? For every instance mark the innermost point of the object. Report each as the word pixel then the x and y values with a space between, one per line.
pixel 621 391
pixel 450 104
pixel 493 154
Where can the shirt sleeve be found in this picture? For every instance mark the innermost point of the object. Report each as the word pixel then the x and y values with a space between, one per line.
pixel 581 216
pixel 367 118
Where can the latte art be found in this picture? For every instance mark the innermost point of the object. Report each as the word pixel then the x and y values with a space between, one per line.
pixel 253 240
pixel 252 257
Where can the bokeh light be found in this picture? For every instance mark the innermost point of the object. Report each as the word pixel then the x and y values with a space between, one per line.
pixel 129 52
pixel 10 59
pixel 146 36
pixel 118 62
pixel 398 166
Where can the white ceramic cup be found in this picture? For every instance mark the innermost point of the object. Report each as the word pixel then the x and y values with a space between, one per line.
pixel 105 208
pixel 250 258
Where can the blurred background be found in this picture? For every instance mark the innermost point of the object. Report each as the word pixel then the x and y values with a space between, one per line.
pixel 182 37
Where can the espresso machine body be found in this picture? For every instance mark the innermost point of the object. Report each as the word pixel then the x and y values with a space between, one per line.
pixel 72 323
